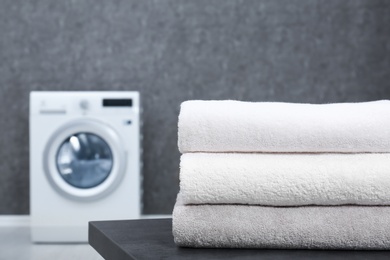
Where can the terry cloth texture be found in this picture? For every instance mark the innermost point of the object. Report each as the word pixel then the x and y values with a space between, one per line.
pixel 285 179
pixel 235 126
pixel 241 226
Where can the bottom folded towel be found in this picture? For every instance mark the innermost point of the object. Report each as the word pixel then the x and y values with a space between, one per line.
pixel 308 227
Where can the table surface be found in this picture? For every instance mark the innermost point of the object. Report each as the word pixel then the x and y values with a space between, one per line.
pixel 152 239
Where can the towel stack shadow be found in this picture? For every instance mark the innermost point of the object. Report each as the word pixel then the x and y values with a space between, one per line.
pixel 283 175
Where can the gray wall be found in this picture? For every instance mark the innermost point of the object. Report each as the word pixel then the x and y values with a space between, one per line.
pixel 298 51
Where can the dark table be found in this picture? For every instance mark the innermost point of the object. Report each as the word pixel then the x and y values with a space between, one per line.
pixel 152 239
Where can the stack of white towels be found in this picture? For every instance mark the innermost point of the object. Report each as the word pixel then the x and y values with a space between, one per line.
pixel 283 175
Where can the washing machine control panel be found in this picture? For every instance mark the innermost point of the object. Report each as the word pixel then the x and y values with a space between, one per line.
pixel 86 104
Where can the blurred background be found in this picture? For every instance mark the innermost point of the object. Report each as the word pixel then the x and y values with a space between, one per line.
pixel 295 51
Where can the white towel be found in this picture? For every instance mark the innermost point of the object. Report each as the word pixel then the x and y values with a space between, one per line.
pixel 285 179
pixel 234 126
pixel 239 226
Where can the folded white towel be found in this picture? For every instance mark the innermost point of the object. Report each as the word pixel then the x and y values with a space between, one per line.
pixel 234 126
pixel 285 179
pixel 239 226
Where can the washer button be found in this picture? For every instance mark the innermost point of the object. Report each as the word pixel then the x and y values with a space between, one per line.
pixel 84 104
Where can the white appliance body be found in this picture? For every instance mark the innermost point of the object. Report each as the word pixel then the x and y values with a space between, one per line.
pixel 84 161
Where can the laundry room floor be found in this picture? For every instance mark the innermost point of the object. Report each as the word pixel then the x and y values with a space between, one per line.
pixel 15 244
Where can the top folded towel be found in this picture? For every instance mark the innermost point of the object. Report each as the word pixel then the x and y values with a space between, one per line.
pixel 235 126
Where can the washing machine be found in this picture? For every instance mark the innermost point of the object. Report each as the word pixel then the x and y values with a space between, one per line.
pixel 84 161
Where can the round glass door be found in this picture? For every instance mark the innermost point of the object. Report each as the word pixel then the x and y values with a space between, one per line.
pixel 84 160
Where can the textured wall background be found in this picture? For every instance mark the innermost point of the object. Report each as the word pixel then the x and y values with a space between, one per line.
pixel 171 51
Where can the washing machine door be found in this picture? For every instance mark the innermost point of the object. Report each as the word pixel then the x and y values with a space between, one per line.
pixel 85 160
